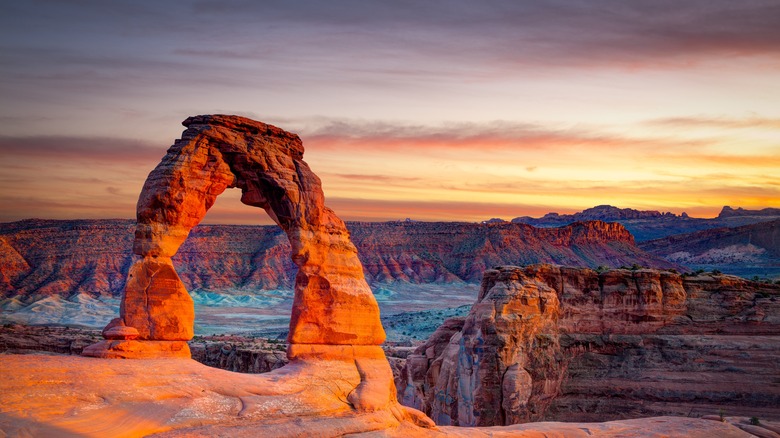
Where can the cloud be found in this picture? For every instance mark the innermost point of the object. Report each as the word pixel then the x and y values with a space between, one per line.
pixel 377 178
pixel 637 33
pixel 497 135
pixel 82 149
pixel 718 122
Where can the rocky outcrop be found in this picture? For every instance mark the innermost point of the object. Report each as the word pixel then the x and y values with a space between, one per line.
pixel 93 257
pixel 239 354
pixel 555 343
pixel 21 339
pixel 227 352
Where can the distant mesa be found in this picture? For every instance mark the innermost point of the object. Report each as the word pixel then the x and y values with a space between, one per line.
pixel 599 212
pixel 93 257
pixel 495 220
pixel 650 224
pixel 728 212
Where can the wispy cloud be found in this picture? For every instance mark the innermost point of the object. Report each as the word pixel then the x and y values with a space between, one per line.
pixel 84 149
pixel 377 178
pixel 718 122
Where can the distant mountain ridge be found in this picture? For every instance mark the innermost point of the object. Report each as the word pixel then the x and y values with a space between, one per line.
pixel 650 224
pixel 603 212
pixel 739 211
pixel 50 257
pixel 748 250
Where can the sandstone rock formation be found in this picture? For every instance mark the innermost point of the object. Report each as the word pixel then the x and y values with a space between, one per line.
pixel 333 305
pixel 556 343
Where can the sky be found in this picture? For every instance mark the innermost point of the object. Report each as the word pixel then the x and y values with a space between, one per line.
pixel 433 110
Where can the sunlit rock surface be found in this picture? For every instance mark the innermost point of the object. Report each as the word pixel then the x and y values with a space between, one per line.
pixel 70 396
pixel 333 303
pixel 555 343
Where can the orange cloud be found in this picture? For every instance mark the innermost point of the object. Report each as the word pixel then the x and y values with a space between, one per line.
pixel 384 171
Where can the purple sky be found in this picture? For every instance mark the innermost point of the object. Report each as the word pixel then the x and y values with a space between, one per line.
pixel 431 110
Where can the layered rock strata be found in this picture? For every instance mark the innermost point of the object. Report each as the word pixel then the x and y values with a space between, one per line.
pixel 41 258
pixel 555 343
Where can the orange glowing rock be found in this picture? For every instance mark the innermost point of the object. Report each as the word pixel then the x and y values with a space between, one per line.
pixel 131 349
pixel 121 332
pixel 333 304
pixel 61 396
pixel 156 303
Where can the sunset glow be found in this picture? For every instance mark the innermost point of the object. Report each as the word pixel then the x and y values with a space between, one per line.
pixel 434 111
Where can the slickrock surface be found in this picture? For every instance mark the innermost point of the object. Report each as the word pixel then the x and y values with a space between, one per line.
pixel 69 396
pixel 555 343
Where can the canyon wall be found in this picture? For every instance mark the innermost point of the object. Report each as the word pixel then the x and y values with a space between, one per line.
pixel 554 343
pixel 47 257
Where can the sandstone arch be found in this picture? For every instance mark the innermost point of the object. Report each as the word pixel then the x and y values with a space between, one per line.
pixel 333 304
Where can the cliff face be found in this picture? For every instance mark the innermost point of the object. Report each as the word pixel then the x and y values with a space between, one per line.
pixel 45 257
pixel 554 343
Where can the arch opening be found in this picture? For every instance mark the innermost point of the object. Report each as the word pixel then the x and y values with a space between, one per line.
pixel 237 268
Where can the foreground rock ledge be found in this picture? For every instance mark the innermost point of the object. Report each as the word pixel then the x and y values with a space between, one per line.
pixel 74 396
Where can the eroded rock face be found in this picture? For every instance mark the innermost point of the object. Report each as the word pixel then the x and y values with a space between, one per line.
pixel 332 304
pixel 555 343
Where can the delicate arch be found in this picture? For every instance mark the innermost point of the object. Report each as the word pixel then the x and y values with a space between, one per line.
pixel 332 305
